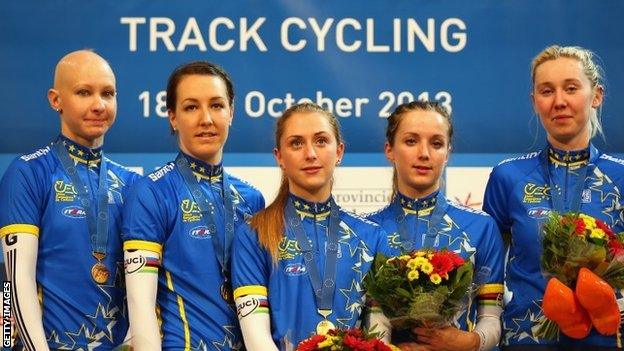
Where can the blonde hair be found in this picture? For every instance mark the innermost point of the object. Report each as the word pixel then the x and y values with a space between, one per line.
pixel 591 69
pixel 269 223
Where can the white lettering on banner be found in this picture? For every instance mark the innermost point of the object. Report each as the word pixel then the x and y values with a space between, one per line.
pixel 449 33
pixel 162 29
pixel 256 104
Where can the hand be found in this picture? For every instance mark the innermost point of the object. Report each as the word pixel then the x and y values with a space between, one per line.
pixel 447 339
pixel 413 347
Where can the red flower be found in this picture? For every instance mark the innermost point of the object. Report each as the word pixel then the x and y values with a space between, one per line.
pixel 445 261
pixel 310 344
pixel 381 346
pixel 605 228
pixel 579 226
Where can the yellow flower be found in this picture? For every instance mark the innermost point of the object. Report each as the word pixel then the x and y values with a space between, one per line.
pixel 597 233
pixel 412 275
pixel 394 348
pixel 590 222
pixel 429 256
pixel 426 267
pixel 329 341
pixel 420 253
pixel 405 258
pixel 412 264
pixel 420 261
pixel 435 278
pixel 390 260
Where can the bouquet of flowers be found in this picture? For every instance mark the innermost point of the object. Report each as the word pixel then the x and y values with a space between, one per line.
pixel 424 287
pixel 581 253
pixel 346 340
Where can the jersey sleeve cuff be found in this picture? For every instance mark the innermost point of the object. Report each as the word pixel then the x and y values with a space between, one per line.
pixel 250 290
pixel 19 228
pixel 488 289
pixel 143 245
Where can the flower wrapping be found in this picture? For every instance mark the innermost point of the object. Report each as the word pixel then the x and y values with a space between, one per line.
pixel 584 260
pixel 422 288
pixel 346 340
pixel 574 240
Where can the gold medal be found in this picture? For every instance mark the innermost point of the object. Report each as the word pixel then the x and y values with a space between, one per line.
pixel 324 326
pixel 100 273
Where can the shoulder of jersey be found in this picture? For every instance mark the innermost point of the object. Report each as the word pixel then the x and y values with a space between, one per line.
pixel 161 172
pixel 120 166
pixel 611 159
pixel 242 182
pixel 520 159
pixel 357 217
pixel 38 154
pixel 376 215
pixel 465 208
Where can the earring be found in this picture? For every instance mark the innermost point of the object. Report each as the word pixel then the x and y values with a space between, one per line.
pixel 59 110
pixel 338 162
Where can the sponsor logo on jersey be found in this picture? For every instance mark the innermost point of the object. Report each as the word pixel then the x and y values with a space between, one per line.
pixel 295 269
pixel 534 194
pixel 74 212
pixel 200 232
pixel 288 249
pixel 539 212
pixel 190 211
pixel 64 192
pixel 586 196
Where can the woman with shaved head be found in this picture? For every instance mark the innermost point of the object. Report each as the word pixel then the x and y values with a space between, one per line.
pixel 60 209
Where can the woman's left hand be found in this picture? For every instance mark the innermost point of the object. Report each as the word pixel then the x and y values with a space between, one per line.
pixel 447 339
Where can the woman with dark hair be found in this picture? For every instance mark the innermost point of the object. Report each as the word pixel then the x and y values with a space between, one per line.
pixel 179 223
pixel 298 267
pixel 418 144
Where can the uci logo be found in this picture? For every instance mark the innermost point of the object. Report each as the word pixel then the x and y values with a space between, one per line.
pixel 295 269
pixel 74 212
pixel 133 264
pixel 538 212
pixel 200 233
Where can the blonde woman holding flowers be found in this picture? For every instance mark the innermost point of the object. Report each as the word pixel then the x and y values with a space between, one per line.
pixel 567 175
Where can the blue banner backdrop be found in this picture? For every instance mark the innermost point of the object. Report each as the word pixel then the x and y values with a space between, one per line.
pixel 359 58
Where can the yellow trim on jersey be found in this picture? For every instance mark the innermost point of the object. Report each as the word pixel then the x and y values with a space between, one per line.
pixel 91 163
pixel 19 228
pixel 250 290
pixel 143 245
pixel 421 213
pixel 571 165
pixel 491 289
pixel 185 325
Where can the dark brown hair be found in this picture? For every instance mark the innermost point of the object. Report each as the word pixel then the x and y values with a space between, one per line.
pixel 394 120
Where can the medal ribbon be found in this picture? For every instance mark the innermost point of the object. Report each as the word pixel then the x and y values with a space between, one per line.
pixel 432 231
pixel 222 249
pixel 324 287
pixel 558 201
pixel 97 218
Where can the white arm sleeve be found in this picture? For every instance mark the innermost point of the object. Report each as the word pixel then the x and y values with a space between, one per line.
pixel 488 326
pixel 141 288
pixel 379 323
pixel 255 323
pixel 20 256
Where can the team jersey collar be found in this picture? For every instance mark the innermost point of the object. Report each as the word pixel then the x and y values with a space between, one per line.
pixel 424 203
pixel 203 169
pixel 311 208
pixel 568 158
pixel 81 153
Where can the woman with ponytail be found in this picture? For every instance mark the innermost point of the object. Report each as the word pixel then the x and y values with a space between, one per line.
pixel 297 269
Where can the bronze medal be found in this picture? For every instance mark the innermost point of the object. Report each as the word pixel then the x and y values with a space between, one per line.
pixel 99 273
pixel 226 293
pixel 324 326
